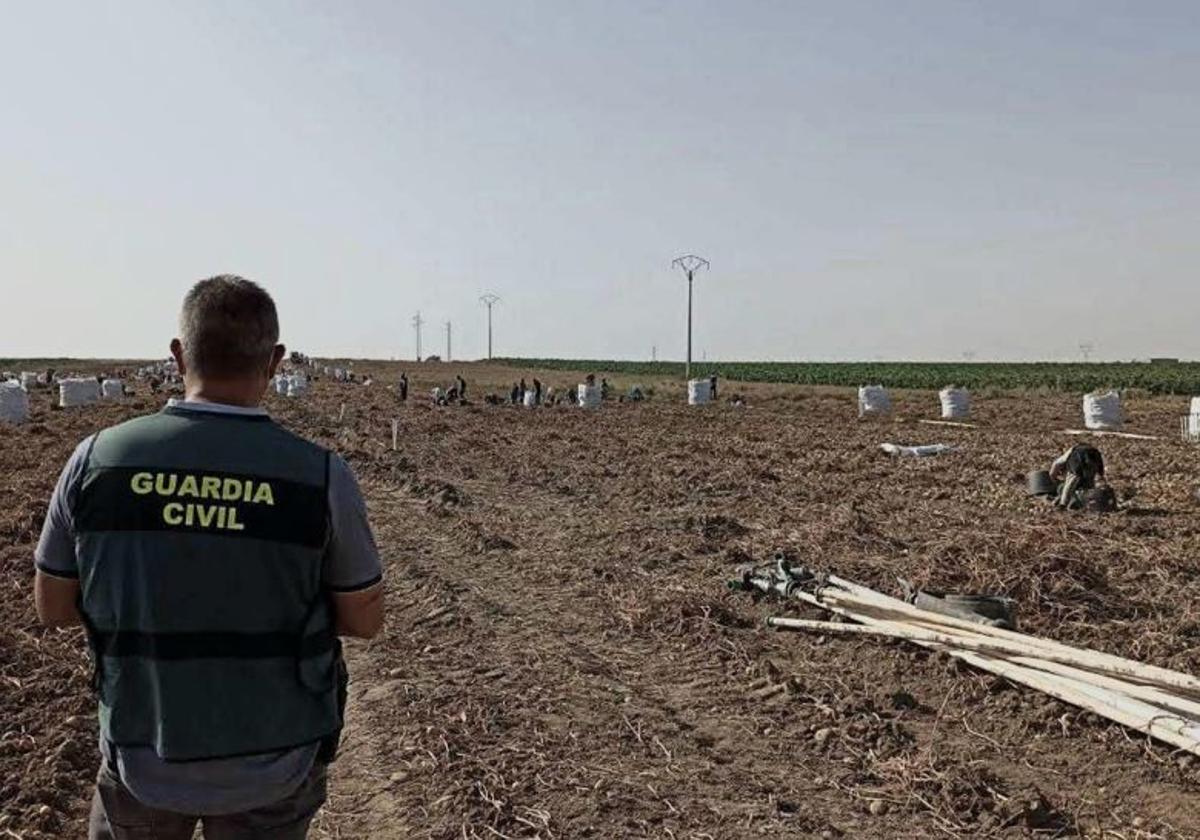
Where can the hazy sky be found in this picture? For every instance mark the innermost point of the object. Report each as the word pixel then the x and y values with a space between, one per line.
pixel 869 179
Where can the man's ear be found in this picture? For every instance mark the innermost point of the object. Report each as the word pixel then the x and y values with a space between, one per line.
pixel 177 355
pixel 276 358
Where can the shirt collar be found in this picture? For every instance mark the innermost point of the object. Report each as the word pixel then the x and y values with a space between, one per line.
pixel 216 408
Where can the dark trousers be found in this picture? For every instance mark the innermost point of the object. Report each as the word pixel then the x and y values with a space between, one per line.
pixel 118 815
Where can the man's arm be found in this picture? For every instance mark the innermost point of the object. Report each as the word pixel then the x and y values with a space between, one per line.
pixel 352 572
pixel 57 600
pixel 56 586
pixel 1059 468
pixel 359 614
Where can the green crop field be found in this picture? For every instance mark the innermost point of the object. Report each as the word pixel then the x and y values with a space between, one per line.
pixel 1162 378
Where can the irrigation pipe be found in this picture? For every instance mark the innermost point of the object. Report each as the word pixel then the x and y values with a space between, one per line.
pixel 1115 704
pixel 1009 643
pixel 1029 645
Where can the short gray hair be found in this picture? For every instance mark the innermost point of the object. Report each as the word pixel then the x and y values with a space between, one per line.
pixel 228 327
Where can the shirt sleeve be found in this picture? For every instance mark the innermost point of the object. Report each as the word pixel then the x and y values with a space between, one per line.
pixel 1060 464
pixel 351 558
pixel 55 552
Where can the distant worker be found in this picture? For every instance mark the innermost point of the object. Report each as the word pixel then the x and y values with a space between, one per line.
pixel 462 387
pixel 404 387
pixel 603 389
pixel 590 379
pixel 712 387
pixel 221 558
pixel 537 391
pixel 515 394
pixel 524 388
pixel 1079 469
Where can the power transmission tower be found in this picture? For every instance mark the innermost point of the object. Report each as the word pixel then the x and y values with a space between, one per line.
pixel 448 341
pixel 1085 349
pixel 489 300
pixel 689 264
pixel 654 353
pixel 417 321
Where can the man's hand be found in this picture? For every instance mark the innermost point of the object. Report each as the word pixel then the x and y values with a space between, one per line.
pixel 56 599
pixel 359 614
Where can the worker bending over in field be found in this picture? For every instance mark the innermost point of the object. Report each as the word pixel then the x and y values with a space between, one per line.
pixel 221 557
pixel 1080 469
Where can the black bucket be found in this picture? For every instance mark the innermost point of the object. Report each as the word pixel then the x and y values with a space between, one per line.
pixel 1041 484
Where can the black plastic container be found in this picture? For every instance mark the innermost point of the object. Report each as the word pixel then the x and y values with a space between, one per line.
pixel 1041 484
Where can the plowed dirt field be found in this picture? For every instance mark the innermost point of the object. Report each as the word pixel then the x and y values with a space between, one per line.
pixel 562 658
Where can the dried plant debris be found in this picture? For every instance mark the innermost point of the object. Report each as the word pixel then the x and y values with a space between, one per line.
pixel 561 659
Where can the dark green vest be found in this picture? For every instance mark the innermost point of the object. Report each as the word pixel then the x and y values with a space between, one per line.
pixel 200 538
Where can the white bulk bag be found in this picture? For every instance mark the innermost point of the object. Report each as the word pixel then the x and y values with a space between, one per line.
pixel 73 392
pixel 590 396
pixel 112 389
pixel 1102 411
pixel 296 385
pixel 873 399
pixel 699 391
pixel 530 398
pixel 956 403
pixel 281 385
pixel 1193 424
pixel 339 375
pixel 14 402
pixel 28 380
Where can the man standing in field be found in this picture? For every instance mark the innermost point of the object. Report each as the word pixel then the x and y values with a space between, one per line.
pixel 214 559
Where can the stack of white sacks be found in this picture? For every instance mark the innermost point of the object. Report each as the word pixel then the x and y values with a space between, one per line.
pixel 873 400
pixel 590 396
pixel 73 392
pixel 956 403
pixel 14 402
pixel 1102 412
pixel 112 389
pixel 290 384
pixel 699 391
pixel 28 380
